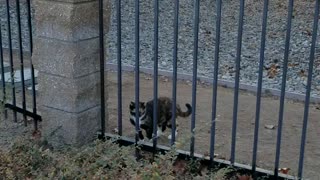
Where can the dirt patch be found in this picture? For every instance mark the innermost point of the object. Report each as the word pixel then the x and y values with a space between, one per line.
pixel 292 124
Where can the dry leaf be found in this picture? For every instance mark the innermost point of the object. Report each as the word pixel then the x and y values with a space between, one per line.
pixel 206 154
pixel 302 73
pixel 244 177
pixel 36 134
pixel 293 64
pixel 273 71
pixel 308 32
pixel 180 167
pixel 115 130
pixel 269 126
pixel 284 170
pixel 208 32
pixel 189 83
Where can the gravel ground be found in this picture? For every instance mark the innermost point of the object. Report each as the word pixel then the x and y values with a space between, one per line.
pixel 299 49
pixel 299 52
pixel 14 27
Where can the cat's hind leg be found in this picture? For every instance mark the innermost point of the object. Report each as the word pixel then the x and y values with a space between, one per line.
pixel 176 130
pixel 161 129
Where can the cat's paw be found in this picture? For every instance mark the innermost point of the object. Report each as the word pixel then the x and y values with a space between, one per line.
pixel 170 136
pixel 159 133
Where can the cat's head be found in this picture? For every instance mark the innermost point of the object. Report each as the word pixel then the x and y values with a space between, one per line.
pixel 132 107
pixel 142 118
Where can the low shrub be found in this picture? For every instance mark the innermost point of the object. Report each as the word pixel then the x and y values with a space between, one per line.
pixel 98 160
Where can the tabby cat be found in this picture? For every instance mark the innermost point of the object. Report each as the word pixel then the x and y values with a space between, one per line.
pixel 164 116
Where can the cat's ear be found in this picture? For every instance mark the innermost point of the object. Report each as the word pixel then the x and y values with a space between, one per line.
pixel 131 105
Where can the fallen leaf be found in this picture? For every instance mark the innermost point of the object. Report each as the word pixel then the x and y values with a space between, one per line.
pixel 273 71
pixel 269 126
pixel 36 134
pixel 302 73
pixel 244 177
pixel 180 167
pixel 308 32
pixel 218 156
pixel 208 32
pixel 293 64
pixel 189 83
pixel 115 130
pixel 284 170
pixel 206 154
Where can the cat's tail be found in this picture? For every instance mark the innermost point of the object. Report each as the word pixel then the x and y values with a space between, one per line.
pixel 184 114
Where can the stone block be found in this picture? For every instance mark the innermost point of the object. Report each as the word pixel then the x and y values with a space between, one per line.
pixel 69 94
pixel 63 128
pixel 67 59
pixel 69 21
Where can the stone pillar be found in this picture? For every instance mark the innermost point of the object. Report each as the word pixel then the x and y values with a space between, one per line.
pixel 66 53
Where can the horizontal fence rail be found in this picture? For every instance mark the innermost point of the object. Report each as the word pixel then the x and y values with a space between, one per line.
pixel 275 173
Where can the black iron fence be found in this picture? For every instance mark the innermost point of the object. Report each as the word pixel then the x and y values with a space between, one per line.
pixel 9 87
pixel 216 58
pixel 18 42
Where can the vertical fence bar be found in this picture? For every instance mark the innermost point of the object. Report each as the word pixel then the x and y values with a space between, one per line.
pixel 11 60
pixel 195 67
pixel 215 80
pixel 137 73
pixel 283 87
pixel 2 74
pixel 155 74
pixel 34 102
pixel 118 7
pixel 101 48
pixel 236 88
pixel 30 26
pixel 175 69
pixel 21 62
pixel 307 100
pixel 259 88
